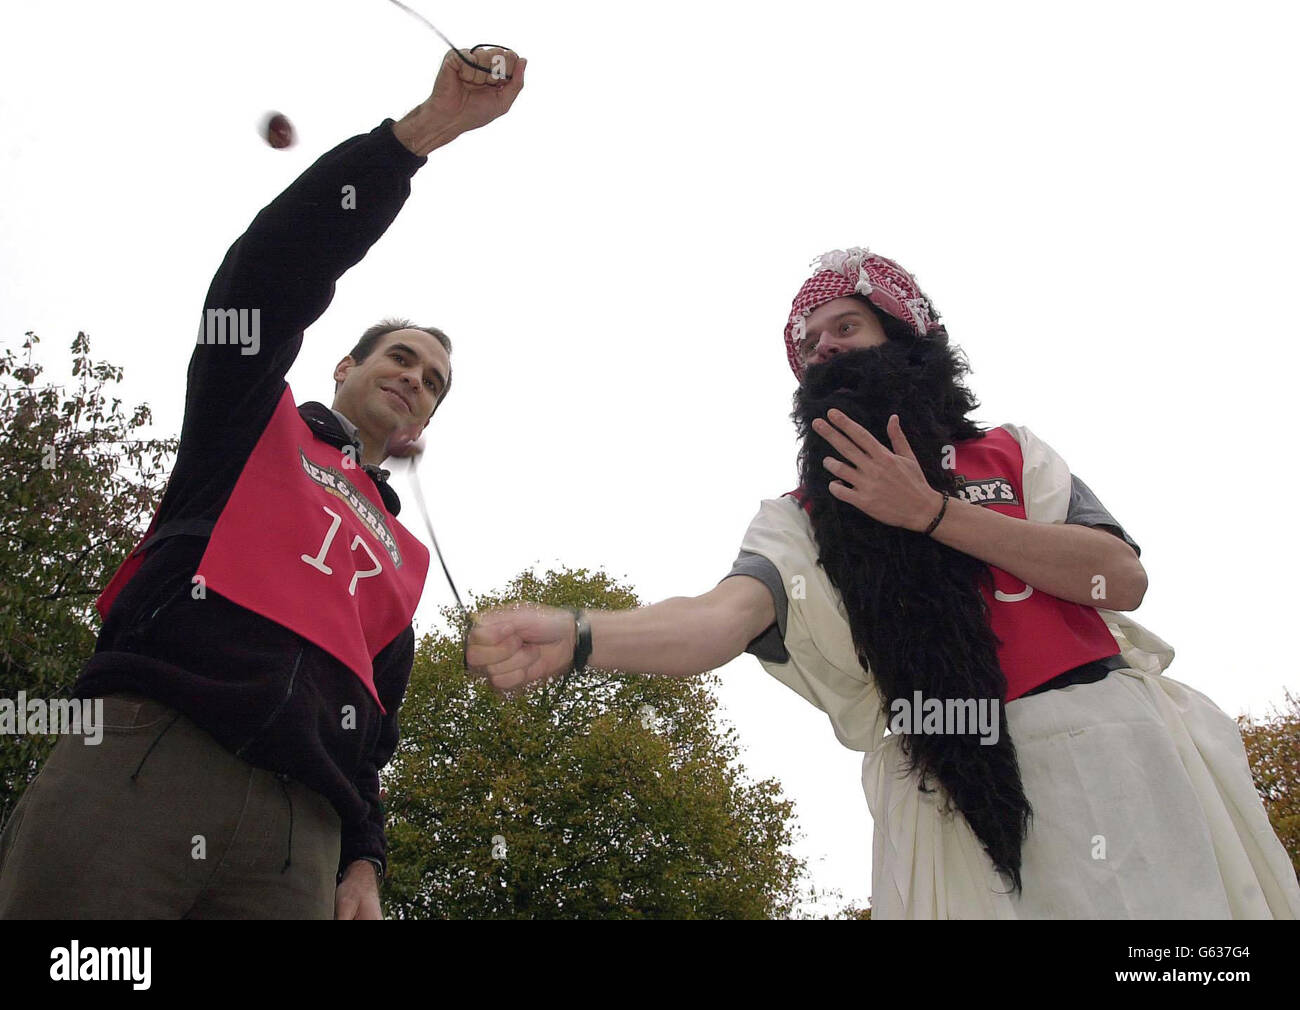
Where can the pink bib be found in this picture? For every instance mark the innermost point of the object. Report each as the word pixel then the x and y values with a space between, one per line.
pixel 1041 636
pixel 306 542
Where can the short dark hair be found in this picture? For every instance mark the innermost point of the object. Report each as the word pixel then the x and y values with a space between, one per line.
pixel 370 338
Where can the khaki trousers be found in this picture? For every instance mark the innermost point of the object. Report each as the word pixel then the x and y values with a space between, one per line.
pixel 159 821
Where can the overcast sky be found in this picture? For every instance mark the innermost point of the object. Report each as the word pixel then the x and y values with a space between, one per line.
pixel 1100 200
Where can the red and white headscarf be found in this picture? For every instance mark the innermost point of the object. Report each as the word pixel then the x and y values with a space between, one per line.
pixel 844 272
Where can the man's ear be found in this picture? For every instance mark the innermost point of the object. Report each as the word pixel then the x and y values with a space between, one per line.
pixel 342 368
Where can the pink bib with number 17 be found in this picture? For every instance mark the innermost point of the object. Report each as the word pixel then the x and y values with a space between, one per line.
pixel 305 541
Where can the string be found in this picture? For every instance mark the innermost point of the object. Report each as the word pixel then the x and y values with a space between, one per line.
pixel 452 45
pixel 428 525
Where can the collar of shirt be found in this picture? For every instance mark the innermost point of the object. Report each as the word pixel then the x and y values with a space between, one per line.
pixel 334 428
pixel 349 429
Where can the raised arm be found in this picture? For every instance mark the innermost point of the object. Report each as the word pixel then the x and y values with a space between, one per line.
pixel 679 637
pixel 279 276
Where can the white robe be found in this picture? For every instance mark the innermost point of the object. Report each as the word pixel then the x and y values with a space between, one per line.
pixel 1143 805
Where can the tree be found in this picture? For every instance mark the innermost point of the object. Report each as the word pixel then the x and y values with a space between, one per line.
pixel 595 795
pixel 1273 749
pixel 77 490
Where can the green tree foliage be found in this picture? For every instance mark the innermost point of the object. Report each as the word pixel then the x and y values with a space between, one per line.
pixel 1273 749
pixel 77 490
pixel 605 795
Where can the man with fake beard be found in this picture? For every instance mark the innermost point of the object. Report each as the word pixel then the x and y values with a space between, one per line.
pixel 1037 764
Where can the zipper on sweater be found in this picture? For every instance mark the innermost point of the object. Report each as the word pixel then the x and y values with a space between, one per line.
pixel 275 713
pixel 140 623
pixel 165 594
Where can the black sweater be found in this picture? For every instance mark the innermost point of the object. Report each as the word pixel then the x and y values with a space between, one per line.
pixel 262 691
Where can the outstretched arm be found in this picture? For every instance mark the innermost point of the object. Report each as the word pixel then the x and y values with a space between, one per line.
pixel 679 637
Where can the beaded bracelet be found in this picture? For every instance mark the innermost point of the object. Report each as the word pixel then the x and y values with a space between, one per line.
pixel 942 509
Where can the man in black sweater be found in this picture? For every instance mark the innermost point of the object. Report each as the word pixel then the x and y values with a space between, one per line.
pixel 252 660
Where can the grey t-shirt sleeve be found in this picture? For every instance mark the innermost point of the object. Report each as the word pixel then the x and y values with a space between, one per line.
pixel 770 645
pixel 1086 510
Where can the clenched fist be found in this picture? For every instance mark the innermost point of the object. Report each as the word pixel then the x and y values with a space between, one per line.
pixel 515 646
pixel 463 97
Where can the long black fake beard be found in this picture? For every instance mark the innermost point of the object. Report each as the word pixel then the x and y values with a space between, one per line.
pixel 918 620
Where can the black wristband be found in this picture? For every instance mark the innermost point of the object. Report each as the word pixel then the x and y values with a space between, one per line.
pixel 942 509
pixel 582 640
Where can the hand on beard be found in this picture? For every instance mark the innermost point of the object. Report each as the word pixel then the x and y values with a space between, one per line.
pixel 884 483
pixel 873 464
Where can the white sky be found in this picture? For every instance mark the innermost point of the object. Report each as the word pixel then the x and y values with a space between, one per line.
pixel 1100 200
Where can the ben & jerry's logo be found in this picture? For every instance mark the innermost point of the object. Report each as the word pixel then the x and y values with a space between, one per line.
pixel 362 507
pixel 987 491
